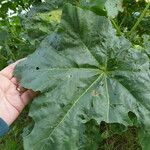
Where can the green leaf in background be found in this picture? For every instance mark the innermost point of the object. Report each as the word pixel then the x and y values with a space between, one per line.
pixel 49 5
pixel 3 36
pixel 37 25
pixel 84 72
pixel 113 7
pixel 103 7
pixel 97 6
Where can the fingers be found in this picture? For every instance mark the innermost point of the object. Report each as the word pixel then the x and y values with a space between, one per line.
pixel 14 81
pixel 21 89
pixel 8 71
pixel 27 96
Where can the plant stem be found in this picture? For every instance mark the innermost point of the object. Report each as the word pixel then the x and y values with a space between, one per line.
pixel 3 57
pixel 139 19
pixel 116 27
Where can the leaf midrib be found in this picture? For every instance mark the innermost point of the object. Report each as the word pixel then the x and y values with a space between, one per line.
pixel 97 79
pixel 108 100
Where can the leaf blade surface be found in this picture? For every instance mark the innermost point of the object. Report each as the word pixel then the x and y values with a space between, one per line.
pixel 84 72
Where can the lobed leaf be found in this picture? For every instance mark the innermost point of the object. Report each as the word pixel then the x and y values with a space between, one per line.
pixel 84 72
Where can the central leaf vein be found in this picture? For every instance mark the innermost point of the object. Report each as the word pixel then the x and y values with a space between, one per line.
pixel 76 101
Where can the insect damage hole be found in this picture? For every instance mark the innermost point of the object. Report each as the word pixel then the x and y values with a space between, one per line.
pixel 69 76
pixel 37 68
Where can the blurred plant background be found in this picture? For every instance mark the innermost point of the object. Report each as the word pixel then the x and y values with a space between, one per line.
pixel 23 25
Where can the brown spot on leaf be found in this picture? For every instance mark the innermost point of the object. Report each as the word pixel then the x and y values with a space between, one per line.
pixel 95 93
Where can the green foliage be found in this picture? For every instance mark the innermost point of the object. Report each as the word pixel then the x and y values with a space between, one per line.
pixel 128 18
pixel 12 45
pixel 84 74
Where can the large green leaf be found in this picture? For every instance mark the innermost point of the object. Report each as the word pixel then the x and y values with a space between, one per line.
pixel 84 72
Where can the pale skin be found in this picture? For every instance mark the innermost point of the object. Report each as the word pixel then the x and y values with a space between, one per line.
pixel 13 97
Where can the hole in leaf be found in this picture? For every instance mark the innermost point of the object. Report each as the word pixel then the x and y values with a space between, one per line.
pixel 70 76
pixel 82 117
pixel 37 68
pixel 114 105
pixel 132 117
pixel 62 105
pixel 102 84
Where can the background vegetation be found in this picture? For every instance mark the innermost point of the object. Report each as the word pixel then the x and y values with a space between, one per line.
pixel 24 23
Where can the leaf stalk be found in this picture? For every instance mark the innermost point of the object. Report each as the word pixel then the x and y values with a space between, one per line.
pixel 116 27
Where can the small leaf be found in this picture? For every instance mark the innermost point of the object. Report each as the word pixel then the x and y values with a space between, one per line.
pixel 113 7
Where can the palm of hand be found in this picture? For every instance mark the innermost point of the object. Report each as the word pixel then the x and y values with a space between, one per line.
pixel 12 101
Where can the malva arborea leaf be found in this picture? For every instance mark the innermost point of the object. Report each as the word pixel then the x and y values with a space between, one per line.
pixel 84 72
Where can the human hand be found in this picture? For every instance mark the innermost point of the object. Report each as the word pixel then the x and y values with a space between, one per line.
pixel 13 97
